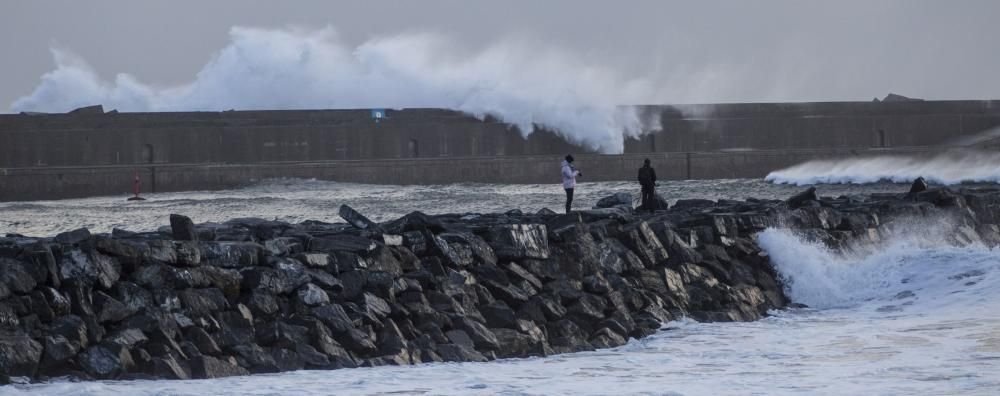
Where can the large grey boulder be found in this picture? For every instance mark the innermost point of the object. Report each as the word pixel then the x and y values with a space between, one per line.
pixel 19 355
pixel 182 228
pixel 205 367
pixel 616 199
pixel 519 241
pixel 357 219
pixel 89 268
pixel 801 198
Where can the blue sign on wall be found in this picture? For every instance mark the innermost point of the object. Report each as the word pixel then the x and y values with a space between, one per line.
pixel 378 114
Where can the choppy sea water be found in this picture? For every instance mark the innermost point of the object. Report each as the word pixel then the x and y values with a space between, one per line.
pixel 914 317
pixel 296 200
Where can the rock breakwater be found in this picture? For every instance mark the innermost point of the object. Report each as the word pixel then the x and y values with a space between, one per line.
pixel 256 296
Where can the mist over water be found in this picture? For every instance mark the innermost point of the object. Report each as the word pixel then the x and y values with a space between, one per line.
pixel 947 168
pixel 516 81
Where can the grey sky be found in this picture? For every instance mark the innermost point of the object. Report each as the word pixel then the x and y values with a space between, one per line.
pixel 725 51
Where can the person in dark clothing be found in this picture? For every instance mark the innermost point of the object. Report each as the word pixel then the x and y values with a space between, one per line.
pixel 569 175
pixel 647 179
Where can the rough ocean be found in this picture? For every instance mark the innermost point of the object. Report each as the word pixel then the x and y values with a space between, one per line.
pixel 913 317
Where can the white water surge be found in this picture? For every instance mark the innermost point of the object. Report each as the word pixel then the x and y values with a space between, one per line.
pixel 947 168
pixel 915 316
pixel 517 81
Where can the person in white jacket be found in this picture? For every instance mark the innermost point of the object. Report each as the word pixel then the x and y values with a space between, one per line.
pixel 569 175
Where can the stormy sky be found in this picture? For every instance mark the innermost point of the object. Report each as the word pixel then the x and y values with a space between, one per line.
pixel 680 51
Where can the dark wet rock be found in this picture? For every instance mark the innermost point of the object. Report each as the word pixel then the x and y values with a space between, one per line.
pixel 311 357
pixel 919 185
pixel 202 340
pixel 188 254
pixel 58 350
pixel 261 303
pixel 203 302
pixel 413 222
pixel 519 241
pixel 800 199
pixel 356 219
pixel 108 309
pixel 15 277
pixel 606 338
pixel 617 199
pixel 357 342
pixel 169 367
pixel 481 336
pixel 514 343
pixel 73 328
pixel 498 314
pixel 204 367
pixel 157 276
pixel 182 228
pixel 314 260
pixel 255 358
pixel 545 212
pixel 133 296
pixel 353 283
pixel 227 280
pixel 386 260
pixel 686 204
pixel 587 311
pixel 283 279
pixel 334 317
pixel 40 255
pixel 342 243
pixel 641 239
pixel 90 268
pixel 459 353
pixel 469 249
pixel 286 359
pixel 19 355
pixel 128 338
pixel 376 306
pixel 517 272
pixel 565 335
pixel 231 254
pixel 311 295
pixel 73 237
pixel 236 329
pixel 105 362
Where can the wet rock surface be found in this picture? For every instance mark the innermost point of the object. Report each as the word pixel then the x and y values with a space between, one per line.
pixel 257 296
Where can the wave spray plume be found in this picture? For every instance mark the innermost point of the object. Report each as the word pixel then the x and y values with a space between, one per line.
pixel 948 168
pixel 513 81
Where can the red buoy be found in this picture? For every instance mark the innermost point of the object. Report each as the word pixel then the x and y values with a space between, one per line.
pixel 135 188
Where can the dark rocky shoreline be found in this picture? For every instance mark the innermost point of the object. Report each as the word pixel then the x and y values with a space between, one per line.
pixel 257 296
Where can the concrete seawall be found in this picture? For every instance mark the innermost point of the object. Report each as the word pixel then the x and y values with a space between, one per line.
pixel 19 184
pixel 90 152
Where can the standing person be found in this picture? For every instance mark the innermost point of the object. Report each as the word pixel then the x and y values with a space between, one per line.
pixel 647 179
pixel 569 174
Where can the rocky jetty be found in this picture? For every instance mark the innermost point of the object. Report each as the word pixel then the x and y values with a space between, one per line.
pixel 256 296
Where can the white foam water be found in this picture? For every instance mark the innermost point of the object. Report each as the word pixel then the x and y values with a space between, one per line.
pixel 915 316
pixel 948 168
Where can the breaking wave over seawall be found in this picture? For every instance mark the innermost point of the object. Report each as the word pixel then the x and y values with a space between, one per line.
pixel 515 81
pixel 920 269
pixel 947 168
